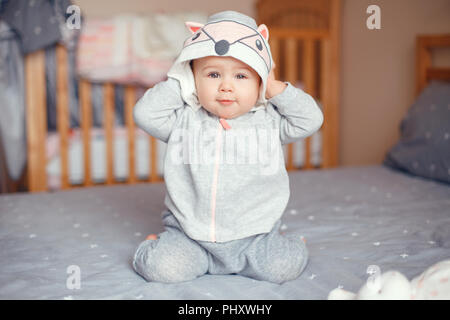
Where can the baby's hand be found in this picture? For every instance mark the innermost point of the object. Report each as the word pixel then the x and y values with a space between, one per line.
pixel 274 86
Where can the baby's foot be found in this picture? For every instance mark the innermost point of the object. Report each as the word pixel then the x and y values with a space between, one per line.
pixel 151 237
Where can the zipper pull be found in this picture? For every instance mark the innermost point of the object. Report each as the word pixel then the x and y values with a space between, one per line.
pixel 224 124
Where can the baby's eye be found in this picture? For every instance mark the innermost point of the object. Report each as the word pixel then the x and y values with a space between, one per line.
pixel 241 76
pixel 213 75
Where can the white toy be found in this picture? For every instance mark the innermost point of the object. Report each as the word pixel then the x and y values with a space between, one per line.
pixel 433 284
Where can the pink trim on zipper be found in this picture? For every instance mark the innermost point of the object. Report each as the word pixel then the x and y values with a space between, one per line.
pixel 214 185
pixel 224 124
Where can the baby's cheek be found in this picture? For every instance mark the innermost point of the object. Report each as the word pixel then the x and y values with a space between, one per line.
pixel 248 102
pixel 203 101
pixel 203 91
pixel 253 92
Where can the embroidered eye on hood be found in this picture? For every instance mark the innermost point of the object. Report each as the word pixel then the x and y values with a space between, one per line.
pixel 227 34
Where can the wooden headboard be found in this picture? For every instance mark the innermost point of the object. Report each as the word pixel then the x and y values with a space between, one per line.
pixel 304 37
pixel 425 72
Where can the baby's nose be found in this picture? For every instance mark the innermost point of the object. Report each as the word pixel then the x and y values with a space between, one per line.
pixel 225 86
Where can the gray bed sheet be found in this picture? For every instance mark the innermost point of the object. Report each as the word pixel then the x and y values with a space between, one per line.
pixel 351 218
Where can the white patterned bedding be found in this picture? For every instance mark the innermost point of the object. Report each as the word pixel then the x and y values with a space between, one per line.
pixel 351 218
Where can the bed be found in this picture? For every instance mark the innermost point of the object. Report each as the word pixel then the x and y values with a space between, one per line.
pixel 373 216
pixel 78 243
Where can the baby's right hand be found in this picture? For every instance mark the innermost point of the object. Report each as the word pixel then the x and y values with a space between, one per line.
pixel 274 87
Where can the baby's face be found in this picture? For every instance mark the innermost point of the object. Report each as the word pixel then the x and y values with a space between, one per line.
pixel 226 86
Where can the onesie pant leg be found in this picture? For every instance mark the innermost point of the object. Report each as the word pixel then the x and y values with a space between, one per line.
pixel 274 257
pixel 270 256
pixel 173 257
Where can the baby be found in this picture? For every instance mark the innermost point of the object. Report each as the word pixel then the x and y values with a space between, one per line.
pixel 224 118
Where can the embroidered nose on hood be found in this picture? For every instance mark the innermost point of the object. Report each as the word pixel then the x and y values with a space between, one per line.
pixel 226 34
pixel 222 47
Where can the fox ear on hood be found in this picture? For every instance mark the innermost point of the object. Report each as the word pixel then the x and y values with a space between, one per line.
pixel 193 26
pixel 264 31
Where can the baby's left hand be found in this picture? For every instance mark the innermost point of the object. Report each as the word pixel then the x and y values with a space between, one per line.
pixel 274 86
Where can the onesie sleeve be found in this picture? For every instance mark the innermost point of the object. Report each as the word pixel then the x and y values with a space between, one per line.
pixel 299 114
pixel 159 108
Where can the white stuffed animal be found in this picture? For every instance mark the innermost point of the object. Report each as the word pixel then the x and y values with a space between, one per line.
pixel 434 283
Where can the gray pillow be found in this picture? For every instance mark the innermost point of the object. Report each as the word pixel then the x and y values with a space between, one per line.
pixel 424 145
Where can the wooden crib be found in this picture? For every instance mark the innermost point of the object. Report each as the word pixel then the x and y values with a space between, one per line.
pixel 425 71
pixel 309 55
pixel 304 40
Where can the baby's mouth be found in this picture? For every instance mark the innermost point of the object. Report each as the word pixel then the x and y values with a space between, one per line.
pixel 225 102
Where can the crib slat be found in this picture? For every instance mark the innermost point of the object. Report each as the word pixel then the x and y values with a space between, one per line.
pixel 130 100
pixel 325 97
pixel 309 72
pixel 309 67
pixel 108 126
pixel 86 124
pixel 62 105
pixel 291 73
pixel 153 177
pixel 275 49
pixel 334 72
pixel 36 119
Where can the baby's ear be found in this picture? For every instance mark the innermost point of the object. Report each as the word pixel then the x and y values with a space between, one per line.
pixel 264 31
pixel 193 26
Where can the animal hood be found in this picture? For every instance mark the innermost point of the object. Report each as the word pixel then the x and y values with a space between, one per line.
pixel 227 34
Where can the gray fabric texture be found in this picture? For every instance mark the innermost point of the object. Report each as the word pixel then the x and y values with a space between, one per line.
pixel 234 170
pixel 174 257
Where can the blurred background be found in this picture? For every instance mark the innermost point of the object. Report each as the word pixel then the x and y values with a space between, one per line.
pixel 377 66
pixel 377 77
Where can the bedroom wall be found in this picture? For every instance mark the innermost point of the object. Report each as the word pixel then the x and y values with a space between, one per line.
pixel 378 66
pixel 378 72
pixel 107 8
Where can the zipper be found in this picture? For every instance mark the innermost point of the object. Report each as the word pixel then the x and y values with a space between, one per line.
pixel 222 124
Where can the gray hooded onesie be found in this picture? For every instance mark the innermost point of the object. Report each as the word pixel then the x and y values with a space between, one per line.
pixel 227 185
